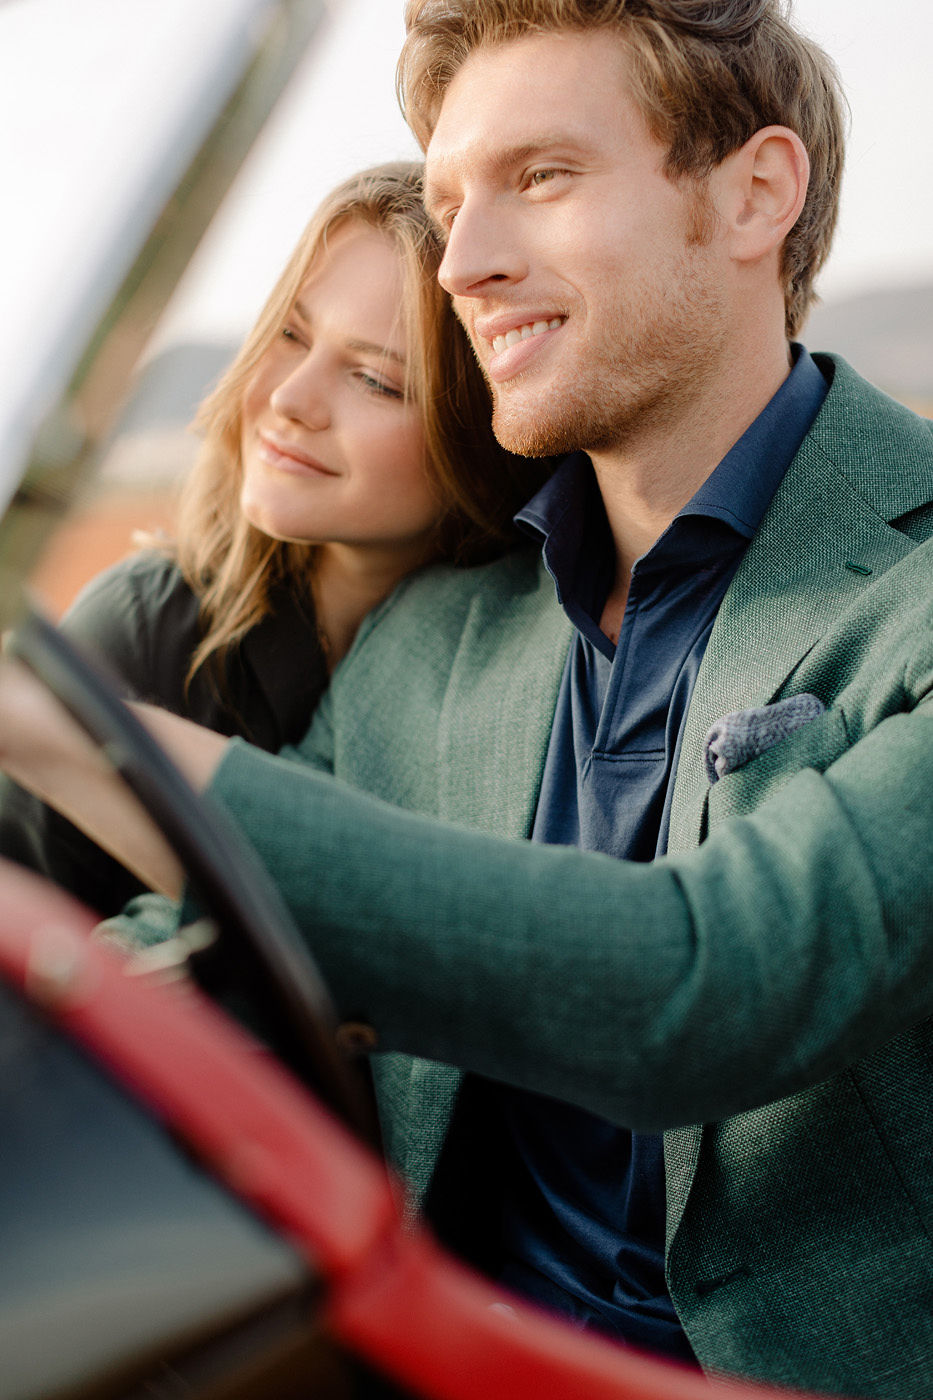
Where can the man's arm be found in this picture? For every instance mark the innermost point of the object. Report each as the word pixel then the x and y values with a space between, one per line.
pixel 793 942
pixel 45 750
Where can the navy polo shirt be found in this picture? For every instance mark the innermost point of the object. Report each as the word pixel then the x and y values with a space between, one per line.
pixel 583 1201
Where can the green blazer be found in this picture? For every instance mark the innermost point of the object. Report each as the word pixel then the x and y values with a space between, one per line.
pixel 760 994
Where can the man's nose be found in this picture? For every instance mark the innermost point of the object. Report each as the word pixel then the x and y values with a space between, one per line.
pixel 482 252
pixel 302 394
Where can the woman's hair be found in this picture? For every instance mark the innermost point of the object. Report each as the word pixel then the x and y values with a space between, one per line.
pixel 234 568
pixel 706 74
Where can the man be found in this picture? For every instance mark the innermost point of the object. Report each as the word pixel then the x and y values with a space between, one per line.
pixel 635 199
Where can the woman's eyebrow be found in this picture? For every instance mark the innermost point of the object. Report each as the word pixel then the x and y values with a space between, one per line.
pixel 369 347
pixel 355 343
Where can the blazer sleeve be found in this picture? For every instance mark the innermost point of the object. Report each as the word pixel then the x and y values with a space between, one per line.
pixel 795 940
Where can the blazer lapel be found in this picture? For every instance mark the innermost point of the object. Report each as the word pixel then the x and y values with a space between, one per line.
pixel 789 590
pixel 865 461
pixel 493 735
pixel 499 707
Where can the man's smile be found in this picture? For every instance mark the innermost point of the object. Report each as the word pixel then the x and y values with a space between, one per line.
pixel 524 332
pixel 512 340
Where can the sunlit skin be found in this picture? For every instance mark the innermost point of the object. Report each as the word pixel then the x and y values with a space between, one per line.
pixel 665 346
pixel 649 312
pixel 332 448
pixel 333 453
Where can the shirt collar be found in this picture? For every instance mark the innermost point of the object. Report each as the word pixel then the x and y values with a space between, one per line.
pixel 567 512
pixel 741 488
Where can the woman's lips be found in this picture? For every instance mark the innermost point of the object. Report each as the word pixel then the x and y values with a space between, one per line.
pixel 287 457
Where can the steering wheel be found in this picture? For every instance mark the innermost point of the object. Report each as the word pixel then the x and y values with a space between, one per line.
pixel 258 963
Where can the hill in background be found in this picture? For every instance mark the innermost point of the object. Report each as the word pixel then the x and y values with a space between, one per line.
pixel 887 336
pixel 154 444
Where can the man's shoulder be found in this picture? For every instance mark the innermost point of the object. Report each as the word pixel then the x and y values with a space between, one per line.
pixel 516 575
pixel 880 446
pixel 433 607
pixel 449 641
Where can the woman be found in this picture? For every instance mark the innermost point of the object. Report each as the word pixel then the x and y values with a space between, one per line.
pixel 347 444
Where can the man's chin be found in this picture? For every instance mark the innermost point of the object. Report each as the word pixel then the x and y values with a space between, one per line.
pixel 528 434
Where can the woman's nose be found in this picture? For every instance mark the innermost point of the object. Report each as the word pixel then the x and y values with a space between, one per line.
pixel 302 395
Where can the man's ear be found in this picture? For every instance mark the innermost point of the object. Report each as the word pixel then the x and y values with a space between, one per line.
pixel 762 187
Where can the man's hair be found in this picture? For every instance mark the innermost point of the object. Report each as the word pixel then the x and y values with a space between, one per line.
pixel 706 74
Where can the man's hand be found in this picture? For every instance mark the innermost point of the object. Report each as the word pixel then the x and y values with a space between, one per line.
pixel 46 751
pixel 37 734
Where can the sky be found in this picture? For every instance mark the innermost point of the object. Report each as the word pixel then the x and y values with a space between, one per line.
pixel 883 52
pixel 85 83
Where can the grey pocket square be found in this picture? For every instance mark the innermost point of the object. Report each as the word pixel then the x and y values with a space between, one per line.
pixel 744 734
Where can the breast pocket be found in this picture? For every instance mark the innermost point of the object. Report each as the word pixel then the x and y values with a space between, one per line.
pixel 815 745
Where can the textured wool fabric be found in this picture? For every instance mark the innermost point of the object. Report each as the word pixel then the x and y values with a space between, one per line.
pixel 763 994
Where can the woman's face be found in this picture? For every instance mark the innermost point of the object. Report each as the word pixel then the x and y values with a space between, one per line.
pixel 332 451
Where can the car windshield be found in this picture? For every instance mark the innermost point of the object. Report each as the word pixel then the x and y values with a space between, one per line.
pixel 104 107
pixel 102 104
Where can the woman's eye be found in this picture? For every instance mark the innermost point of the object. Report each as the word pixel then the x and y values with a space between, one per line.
pixel 378 386
pixel 290 335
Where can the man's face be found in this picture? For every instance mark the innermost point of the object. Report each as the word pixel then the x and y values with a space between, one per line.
pixel 589 283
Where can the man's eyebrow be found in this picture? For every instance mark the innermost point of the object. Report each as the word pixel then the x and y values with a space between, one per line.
pixel 550 145
pixel 435 194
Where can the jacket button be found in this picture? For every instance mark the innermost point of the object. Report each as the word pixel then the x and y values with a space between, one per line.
pixel 356 1037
